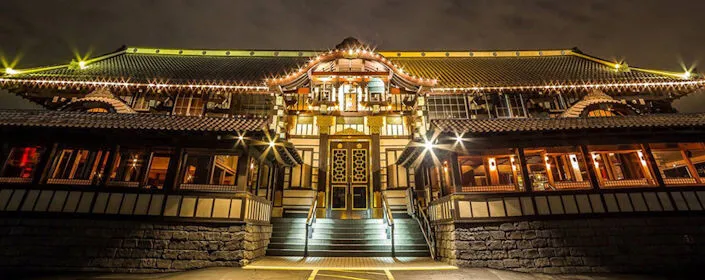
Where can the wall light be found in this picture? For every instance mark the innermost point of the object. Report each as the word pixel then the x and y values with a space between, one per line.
pixel 82 65
pixel 271 143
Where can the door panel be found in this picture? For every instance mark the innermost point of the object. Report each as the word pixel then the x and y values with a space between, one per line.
pixel 349 175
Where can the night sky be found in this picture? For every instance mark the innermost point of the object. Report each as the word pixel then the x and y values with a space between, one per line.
pixel 646 33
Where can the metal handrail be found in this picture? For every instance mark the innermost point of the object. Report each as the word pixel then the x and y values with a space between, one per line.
pixel 310 220
pixel 420 216
pixel 389 220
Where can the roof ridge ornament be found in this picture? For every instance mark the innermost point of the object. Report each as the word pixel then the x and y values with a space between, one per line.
pixel 351 43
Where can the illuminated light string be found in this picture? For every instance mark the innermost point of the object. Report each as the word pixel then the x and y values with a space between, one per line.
pixel 585 86
pixel 360 53
pixel 130 84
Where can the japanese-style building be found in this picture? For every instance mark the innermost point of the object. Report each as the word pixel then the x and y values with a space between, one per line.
pixel 150 159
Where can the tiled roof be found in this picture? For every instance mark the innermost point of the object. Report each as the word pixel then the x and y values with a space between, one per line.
pixel 491 126
pixel 519 71
pixel 252 68
pixel 57 119
pixel 185 69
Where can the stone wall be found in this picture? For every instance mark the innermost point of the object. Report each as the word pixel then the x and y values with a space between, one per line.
pixel 636 245
pixel 126 246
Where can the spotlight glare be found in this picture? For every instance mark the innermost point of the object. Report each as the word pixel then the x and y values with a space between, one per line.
pixel 271 143
pixel 428 145
pixel 11 71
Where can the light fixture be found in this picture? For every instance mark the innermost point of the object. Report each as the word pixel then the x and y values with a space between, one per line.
pixel 240 137
pixel 82 65
pixel 10 71
pixel 459 138
pixel 271 143
pixel 428 145
pixel 686 75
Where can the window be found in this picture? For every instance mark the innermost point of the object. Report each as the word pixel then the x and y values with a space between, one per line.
pixel 188 105
pixel 397 175
pixel 263 181
pixel 21 163
pixel 210 172
pixel 676 162
pixel 490 171
pixel 395 126
pixel 80 166
pixel 621 166
pixel 252 104
pixel 301 174
pixel 510 106
pixel 252 176
pixel 556 168
pixel 129 168
pixel 304 126
pixel 156 176
pixel 447 106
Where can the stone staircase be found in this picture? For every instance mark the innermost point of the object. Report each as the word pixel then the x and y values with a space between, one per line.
pixel 347 238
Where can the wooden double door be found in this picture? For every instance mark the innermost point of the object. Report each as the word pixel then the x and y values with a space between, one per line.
pixel 349 176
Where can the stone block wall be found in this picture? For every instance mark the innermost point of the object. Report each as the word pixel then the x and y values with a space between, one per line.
pixel 634 245
pixel 126 246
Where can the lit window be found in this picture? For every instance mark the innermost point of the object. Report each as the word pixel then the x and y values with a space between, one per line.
pixel 491 171
pixel 202 170
pixel 21 162
pixel 188 105
pixel 556 168
pixel 621 166
pixel 680 164
pixel 156 176
pixel 129 167
pixel 78 164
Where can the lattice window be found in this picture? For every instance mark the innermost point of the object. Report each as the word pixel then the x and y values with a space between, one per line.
pixel 447 106
pixel 339 170
pixel 359 166
pixel 252 104
pixel 188 105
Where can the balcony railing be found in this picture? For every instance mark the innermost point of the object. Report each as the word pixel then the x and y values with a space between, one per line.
pixel 230 207
pixel 476 208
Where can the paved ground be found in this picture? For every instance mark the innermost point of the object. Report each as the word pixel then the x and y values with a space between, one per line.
pixel 280 274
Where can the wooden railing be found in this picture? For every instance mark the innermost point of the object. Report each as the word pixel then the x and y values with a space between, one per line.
pixel 469 207
pixel 201 206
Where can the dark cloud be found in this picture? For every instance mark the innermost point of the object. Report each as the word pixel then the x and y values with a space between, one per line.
pixel 647 33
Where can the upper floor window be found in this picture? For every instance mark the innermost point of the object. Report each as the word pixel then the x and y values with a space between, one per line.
pixel 556 168
pixel 491 170
pixel 78 166
pixel 209 169
pixel 447 106
pixel 157 170
pixel 621 166
pixel 510 106
pixel 188 104
pixel 21 163
pixel 129 168
pixel 680 164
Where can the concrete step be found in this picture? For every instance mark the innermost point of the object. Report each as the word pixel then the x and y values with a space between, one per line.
pixel 347 253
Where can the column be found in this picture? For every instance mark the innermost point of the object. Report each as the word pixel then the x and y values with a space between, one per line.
pixel 375 124
pixel 324 123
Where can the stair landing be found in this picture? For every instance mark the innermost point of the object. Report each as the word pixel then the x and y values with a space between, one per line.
pixel 348 263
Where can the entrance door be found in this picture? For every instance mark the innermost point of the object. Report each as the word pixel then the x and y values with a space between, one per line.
pixel 349 175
